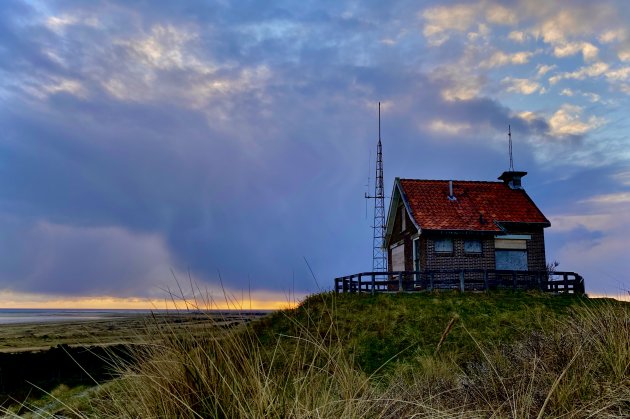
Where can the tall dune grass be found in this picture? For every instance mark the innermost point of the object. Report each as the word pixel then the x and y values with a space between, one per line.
pixel 231 375
pixel 577 366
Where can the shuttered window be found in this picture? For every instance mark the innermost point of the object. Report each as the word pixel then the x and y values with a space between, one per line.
pixel 511 260
pixel 472 246
pixel 444 246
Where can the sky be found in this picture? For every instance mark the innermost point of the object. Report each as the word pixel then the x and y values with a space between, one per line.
pixel 146 146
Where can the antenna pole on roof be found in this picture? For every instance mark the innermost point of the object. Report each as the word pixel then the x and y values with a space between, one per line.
pixel 379 254
pixel 510 142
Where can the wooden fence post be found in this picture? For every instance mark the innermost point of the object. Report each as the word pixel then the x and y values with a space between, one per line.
pixel 462 287
pixel 373 283
pixel 485 280
pixel 359 281
pixel 400 283
pixel 581 288
pixel 431 281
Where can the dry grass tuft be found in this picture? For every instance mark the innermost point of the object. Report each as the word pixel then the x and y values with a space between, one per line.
pixel 575 366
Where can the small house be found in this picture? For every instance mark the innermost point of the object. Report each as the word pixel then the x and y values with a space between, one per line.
pixel 453 224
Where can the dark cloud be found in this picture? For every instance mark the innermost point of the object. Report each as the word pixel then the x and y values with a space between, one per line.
pixel 241 147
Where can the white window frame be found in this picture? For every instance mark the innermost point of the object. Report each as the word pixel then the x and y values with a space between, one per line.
pixel 417 252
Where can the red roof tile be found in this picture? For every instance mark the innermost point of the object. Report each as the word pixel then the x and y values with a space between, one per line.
pixel 494 201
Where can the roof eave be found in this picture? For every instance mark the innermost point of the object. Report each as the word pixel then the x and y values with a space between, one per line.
pixel 397 193
pixel 408 207
pixel 543 224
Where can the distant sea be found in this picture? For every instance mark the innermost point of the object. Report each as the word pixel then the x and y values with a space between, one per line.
pixel 42 315
pixel 26 315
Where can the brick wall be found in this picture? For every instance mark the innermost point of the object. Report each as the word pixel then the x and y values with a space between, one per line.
pixel 458 259
pixel 486 260
pixel 536 251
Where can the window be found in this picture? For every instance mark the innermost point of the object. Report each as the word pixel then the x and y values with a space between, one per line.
pixel 472 246
pixel 511 260
pixel 444 246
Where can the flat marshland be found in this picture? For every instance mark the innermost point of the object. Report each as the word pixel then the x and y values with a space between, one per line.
pixel 397 355
pixel 70 357
pixel 116 329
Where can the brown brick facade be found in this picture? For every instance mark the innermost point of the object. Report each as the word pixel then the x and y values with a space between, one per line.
pixel 459 259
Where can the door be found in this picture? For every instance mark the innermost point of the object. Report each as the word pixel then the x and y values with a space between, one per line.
pixel 398 258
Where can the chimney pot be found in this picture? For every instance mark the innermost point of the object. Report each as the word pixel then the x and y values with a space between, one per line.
pixel 513 179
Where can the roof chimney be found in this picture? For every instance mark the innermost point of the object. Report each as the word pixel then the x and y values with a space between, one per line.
pixel 512 179
pixel 450 191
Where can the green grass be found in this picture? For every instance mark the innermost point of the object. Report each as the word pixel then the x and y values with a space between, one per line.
pixel 402 327
pixel 390 355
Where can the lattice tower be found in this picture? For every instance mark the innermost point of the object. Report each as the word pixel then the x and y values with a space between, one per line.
pixel 379 254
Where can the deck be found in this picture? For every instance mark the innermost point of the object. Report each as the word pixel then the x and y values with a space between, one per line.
pixel 462 280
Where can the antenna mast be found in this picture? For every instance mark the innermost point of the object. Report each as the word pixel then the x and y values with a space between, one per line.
pixel 379 255
pixel 510 141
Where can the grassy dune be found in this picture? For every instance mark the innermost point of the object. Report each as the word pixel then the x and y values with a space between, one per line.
pixel 402 355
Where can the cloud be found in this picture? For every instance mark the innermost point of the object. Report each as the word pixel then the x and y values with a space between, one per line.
pixel 44 88
pixel 588 50
pixel 522 86
pixel 165 48
pixel 623 178
pixel 612 35
pixel 542 69
pixel 517 36
pixel 615 198
pixel 501 15
pixel 59 23
pixel 73 260
pixel 501 58
pixel 592 97
pixel 450 128
pixel 594 241
pixel 229 136
pixel 619 74
pixel 439 21
pixel 568 121
pixel 594 70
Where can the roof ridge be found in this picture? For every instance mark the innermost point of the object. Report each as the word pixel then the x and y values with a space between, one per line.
pixel 454 180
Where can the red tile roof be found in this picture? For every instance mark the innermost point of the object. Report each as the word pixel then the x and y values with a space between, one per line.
pixel 495 201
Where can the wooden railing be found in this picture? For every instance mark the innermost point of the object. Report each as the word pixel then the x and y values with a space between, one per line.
pixel 463 280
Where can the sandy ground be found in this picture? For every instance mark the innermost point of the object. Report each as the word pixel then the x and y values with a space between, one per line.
pixel 130 328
